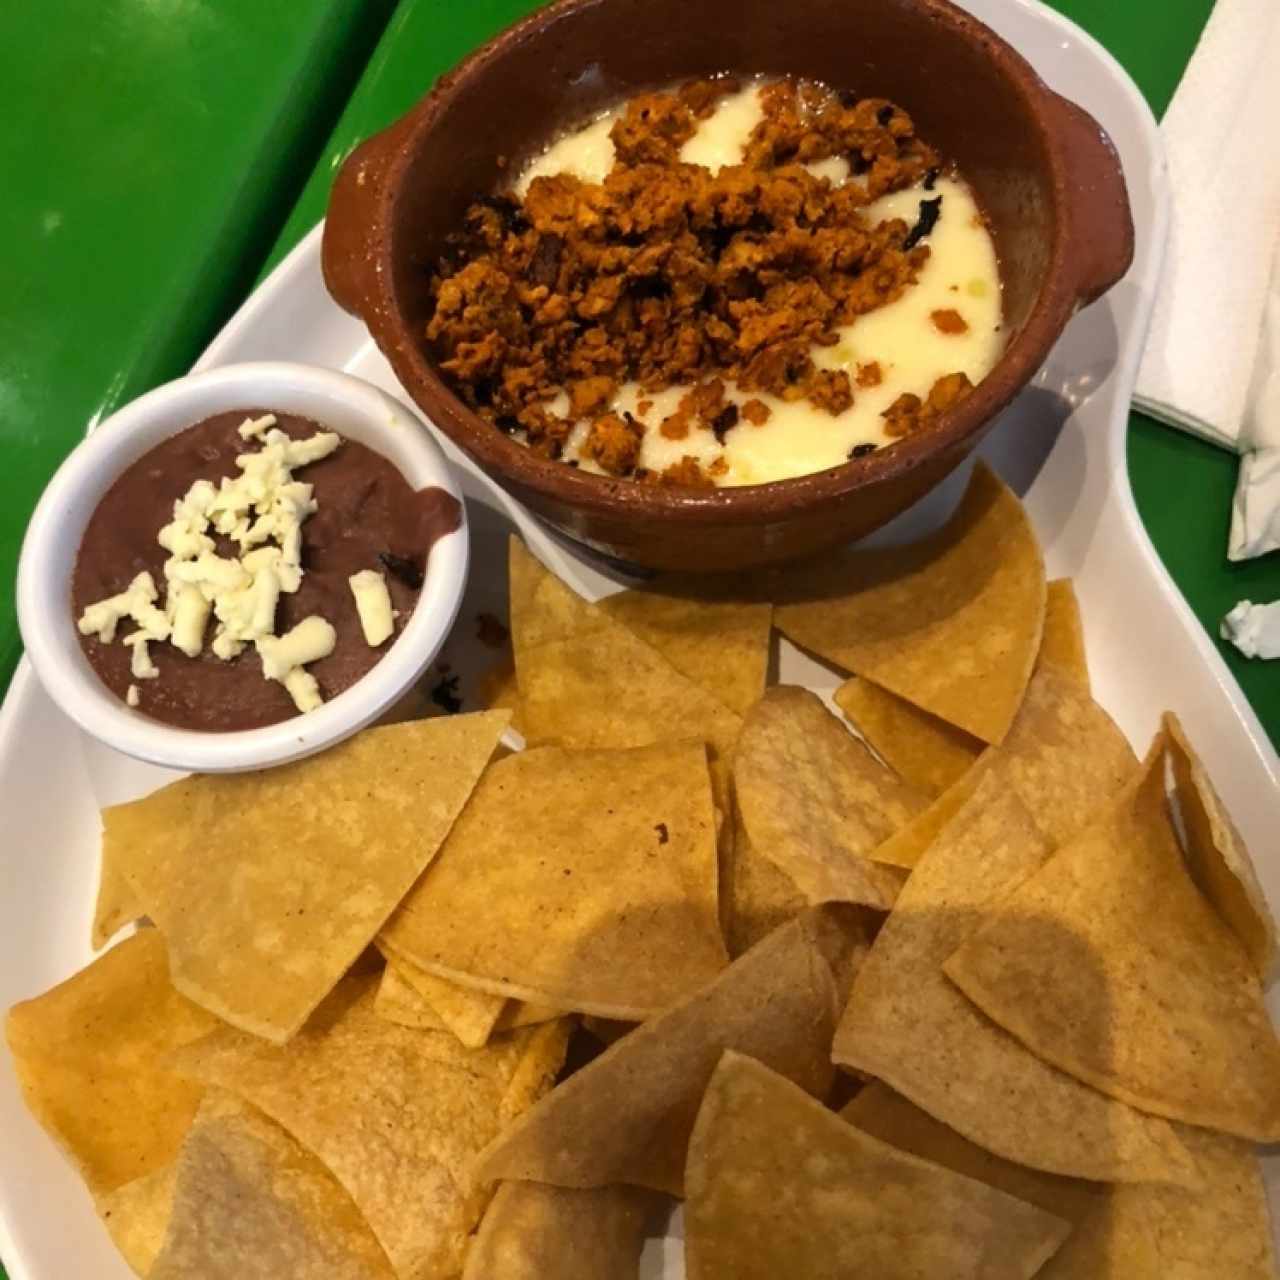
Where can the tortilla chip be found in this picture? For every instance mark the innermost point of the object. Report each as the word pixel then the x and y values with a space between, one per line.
pixel 250 1203
pixel 1157 1233
pixel 816 802
pixel 1062 644
pixel 535 1232
pixel 395 1115
pixel 907 1024
pixel 923 750
pixel 776 1003
pixel 721 645
pixel 136 1216
pixel 88 1057
pixel 1219 860
pixel 906 847
pixel 952 624
pixel 268 885
pixel 469 1014
pixel 400 999
pixel 117 904
pixel 1149 1232
pixel 1109 963
pixel 1131 1231
pixel 886 1115
pixel 582 879
pixel 756 894
pixel 780 1186
pixel 587 681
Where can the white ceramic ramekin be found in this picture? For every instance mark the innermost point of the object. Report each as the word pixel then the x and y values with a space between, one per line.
pixel 351 407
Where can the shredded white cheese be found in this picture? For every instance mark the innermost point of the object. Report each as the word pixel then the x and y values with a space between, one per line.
pixel 373 604
pixel 261 510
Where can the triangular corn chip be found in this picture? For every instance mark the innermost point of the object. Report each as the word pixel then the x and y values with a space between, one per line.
pixel 395 1115
pixel 816 802
pixel 532 1231
pixel 250 1203
pixel 721 645
pixel 268 885
pixel 1062 644
pixel 117 904
pixel 909 1025
pixel 775 1003
pixel 777 1185
pixel 136 1215
pixel 952 624
pixel 924 751
pixel 89 1056
pixel 1217 855
pixel 588 681
pixel 613 912
pixel 1109 963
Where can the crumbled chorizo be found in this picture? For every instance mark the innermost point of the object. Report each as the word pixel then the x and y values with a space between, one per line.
pixel 909 413
pixel 667 274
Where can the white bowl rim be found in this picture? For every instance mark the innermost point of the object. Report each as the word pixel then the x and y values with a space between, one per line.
pixel 350 405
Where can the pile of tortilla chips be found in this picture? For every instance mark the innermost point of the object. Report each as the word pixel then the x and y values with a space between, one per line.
pixel 942 988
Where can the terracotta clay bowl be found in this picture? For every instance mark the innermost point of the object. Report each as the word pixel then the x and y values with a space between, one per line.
pixel 1043 169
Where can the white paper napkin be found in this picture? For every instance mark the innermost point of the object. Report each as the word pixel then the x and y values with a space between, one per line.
pixel 1212 361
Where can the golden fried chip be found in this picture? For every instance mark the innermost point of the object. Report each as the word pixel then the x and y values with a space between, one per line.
pixel 136 1216
pixel 250 1203
pixel 907 1024
pixel 587 681
pixel 626 1116
pixel 952 624
pixel 721 645
pixel 886 1115
pixel 1062 644
pixel 395 1115
pixel 469 1014
pixel 582 879
pixel 532 1231
pixel 777 1185
pixel 88 1057
pixel 1130 1231
pixel 756 895
pixel 816 802
pixel 906 847
pixel 1217 855
pixel 1109 963
pixel 926 752
pixel 1144 1231
pixel 400 999
pixel 117 904
pixel 268 885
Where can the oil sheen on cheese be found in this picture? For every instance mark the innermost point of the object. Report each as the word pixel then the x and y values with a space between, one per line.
pixel 912 353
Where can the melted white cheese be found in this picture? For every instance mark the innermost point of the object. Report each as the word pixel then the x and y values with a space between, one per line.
pixel 960 275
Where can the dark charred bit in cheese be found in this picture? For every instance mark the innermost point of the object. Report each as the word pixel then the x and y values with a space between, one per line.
pixel 930 212
pixel 663 834
pixel 402 568
pixel 861 450
pixel 724 422
pixel 445 695
pixel 931 178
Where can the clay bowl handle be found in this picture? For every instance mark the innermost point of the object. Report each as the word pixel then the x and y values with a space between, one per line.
pixel 354 221
pixel 1101 223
